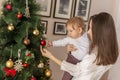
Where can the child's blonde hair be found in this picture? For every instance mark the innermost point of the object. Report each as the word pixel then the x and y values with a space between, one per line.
pixel 77 22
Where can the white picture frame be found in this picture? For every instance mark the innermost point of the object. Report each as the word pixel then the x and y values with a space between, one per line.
pixel 63 9
pixel 45 7
pixel 82 8
pixel 44 23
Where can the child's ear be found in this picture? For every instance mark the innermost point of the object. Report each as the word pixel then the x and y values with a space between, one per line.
pixel 80 30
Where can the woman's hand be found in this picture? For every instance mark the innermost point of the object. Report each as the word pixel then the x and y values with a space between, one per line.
pixel 46 53
pixel 49 55
pixel 70 47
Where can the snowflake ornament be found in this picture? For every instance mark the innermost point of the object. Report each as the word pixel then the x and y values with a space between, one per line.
pixel 18 65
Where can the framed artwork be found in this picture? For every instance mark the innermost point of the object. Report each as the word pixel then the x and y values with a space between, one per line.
pixel 82 8
pixel 44 23
pixel 45 7
pixel 60 28
pixel 63 9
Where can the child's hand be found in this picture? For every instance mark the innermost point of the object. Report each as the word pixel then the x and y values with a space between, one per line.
pixel 70 47
pixel 49 44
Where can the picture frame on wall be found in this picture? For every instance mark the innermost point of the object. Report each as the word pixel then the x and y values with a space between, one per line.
pixel 82 8
pixel 44 23
pixel 59 28
pixel 63 9
pixel 45 7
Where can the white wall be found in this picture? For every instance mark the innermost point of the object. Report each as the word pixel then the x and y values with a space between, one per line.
pixel 101 6
pixel 115 71
pixel 1 1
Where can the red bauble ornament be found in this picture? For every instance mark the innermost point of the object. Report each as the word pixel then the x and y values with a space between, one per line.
pixel 33 78
pixel 9 6
pixel 28 54
pixel 43 42
pixel 19 16
pixel 25 65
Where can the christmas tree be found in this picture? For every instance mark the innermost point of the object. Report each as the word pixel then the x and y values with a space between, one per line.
pixel 21 35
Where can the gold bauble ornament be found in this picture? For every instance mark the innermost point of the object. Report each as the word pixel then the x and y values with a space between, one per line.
pixel 26 41
pixel 41 64
pixel 48 73
pixel 9 63
pixel 36 32
pixel 1 13
pixel 10 27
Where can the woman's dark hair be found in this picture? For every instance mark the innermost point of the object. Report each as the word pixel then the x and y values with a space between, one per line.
pixel 104 38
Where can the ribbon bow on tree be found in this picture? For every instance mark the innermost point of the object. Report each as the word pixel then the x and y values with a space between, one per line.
pixel 10 72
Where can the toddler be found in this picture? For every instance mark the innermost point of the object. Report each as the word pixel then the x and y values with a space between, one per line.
pixel 77 37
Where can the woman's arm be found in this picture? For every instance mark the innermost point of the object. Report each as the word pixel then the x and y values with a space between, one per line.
pixel 70 68
pixel 49 55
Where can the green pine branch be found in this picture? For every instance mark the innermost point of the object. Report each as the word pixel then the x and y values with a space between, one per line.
pixel 13 32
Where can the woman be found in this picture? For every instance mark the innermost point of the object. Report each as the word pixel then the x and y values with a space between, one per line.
pixel 103 50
